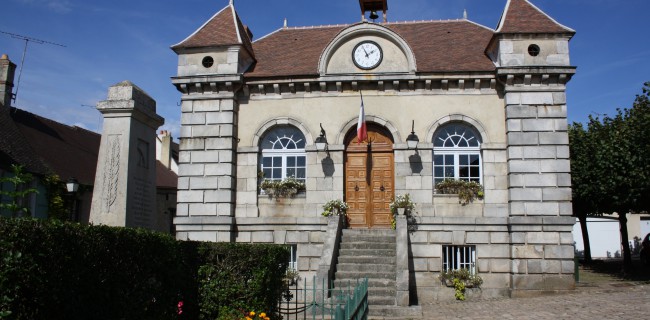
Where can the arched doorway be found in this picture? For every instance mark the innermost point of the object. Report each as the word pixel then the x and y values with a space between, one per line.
pixel 369 178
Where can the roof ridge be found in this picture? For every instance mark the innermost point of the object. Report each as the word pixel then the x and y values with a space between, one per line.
pixel 73 127
pixel 504 16
pixel 201 27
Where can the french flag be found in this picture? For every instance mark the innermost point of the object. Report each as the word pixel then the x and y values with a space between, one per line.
pixel 362 132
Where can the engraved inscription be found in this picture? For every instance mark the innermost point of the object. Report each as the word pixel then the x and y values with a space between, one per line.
pixel 111 171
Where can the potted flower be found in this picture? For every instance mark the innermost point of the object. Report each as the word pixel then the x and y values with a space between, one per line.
pixel 402 205
pixel 334 208
pixel 467 191
pixel 460 280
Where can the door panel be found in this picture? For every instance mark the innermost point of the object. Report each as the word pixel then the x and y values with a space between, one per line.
pixel 369 199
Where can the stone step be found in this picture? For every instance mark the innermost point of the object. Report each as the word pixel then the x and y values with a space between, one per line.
pixel 368 245
pixel 367 252
pixel 365 260
pixel 368 238
pixel 372 283
pixel 381 300
pixel 374 232
pixel 394 312
pixel 366 267
pixel 354 275
pixel 381 291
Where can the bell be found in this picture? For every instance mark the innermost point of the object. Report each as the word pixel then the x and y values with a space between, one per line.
pixel 373 15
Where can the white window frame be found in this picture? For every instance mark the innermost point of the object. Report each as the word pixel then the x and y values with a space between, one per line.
pixel 284 154
pixel 456 152
pixel 456 257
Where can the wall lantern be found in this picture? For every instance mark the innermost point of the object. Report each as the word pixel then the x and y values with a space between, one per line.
pixel 72 185
pixel 321 141
pixel 412 140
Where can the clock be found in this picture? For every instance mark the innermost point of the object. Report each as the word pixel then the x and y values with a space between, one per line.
pixel 367 55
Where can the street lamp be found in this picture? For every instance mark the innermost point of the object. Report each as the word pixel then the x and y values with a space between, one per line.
pixel 412 140
pixel 321 141
pixel 72 185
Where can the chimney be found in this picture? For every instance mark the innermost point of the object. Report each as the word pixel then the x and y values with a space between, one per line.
pixel 165 154
pixel 7 71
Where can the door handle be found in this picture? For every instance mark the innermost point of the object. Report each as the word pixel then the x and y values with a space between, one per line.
pixel 382 188
pixel 356 188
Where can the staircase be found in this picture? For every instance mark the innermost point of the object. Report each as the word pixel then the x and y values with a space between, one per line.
pixel 371 254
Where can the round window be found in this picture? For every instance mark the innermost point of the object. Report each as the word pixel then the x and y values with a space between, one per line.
pixel 207 62
pixel 533 50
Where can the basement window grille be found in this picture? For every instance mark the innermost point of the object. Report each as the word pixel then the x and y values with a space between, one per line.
pixel 459 257
pixel 293 262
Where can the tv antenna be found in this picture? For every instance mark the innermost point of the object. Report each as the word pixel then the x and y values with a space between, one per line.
pixel 22 60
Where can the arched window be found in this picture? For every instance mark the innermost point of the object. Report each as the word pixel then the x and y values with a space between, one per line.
pixel 456 153
pixel 283 154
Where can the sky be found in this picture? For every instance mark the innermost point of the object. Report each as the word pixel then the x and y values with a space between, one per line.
pixel 107 42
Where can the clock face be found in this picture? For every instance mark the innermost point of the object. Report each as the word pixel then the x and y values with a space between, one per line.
pixel 367 55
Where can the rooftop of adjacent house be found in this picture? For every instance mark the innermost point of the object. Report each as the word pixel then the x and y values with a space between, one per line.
pixel 68 151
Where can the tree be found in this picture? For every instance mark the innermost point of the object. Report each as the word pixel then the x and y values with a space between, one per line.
pixel 15 197
pixel 610 173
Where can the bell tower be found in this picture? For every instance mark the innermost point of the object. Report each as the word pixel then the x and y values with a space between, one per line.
pixel 373 6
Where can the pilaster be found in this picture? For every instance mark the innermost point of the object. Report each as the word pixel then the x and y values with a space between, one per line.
pixel 539 178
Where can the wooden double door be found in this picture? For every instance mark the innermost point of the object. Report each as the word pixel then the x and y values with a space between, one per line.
pixel 369 180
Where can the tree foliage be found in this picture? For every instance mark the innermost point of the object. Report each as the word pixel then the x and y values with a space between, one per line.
pixel 14 199
pixel 610 173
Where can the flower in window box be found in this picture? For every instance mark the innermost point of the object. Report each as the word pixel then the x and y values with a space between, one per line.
pixel 467 191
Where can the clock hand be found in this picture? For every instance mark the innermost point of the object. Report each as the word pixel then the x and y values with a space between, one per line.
pixel 364 50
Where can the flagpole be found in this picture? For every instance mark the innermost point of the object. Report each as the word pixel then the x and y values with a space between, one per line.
pixel 362 130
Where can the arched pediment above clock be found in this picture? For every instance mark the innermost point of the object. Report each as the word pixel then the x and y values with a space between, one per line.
pixel 338 57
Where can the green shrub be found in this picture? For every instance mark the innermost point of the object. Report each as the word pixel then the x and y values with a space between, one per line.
pixel 53 270
pixel 59 270
pixel 237 278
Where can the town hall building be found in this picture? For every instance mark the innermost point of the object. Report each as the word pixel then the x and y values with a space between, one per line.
pixel 442 100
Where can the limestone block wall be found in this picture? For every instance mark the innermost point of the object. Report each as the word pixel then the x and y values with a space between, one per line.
pixel 490 237
pixel 540 188
pixel 207 164
pixel 307 233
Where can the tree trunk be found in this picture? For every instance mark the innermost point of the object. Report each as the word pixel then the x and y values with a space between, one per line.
pixel 585 237
pixel 627 255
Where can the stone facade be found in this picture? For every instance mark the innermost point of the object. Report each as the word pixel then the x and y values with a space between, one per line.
pixel 512 97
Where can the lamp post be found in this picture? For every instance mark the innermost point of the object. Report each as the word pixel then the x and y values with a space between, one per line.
pixel 412 140
pixel 72 186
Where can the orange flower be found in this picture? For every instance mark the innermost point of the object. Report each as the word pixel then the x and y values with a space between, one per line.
pixel 263 315
pixel 252 313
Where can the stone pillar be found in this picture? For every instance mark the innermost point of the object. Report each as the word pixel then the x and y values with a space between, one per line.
pixel 7 71
pixel 539 179
pixel 125 181
pixel 207 168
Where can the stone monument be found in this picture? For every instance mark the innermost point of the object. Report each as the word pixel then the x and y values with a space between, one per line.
pixel 125 181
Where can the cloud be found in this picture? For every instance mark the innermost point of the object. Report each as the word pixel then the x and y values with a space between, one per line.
pixel 58 6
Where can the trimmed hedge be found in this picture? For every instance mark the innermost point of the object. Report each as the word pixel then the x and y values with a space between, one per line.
pixel 236 279
pixel 54 270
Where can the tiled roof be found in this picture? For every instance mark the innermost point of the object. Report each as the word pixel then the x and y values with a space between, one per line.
pixel 274 58
pixel 68 151
pixel 439 46
pixel 165 177
pixel 444 46
pixel 521 16
pixel 224 28
pixel 15 149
